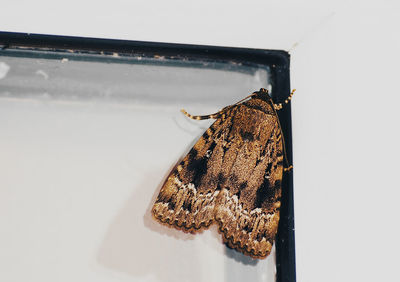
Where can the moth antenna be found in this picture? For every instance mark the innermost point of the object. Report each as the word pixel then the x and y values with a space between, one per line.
pixel 280 105
pixel 221 112
pixel 213 116
pixel 251 95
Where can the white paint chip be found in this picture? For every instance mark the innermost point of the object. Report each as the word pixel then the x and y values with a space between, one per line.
pixel 4 68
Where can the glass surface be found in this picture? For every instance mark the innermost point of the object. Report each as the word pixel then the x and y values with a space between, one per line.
pixel 86 143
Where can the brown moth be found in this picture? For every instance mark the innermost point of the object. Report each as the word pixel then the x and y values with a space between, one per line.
pixel 231 177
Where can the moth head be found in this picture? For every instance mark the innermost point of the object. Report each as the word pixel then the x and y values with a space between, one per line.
pixel 263 94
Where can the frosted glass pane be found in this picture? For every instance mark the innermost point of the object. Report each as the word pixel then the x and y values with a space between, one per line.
pixel 86 144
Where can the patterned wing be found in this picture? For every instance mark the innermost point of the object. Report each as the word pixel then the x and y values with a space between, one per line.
pixel 186 200
pixel 247 208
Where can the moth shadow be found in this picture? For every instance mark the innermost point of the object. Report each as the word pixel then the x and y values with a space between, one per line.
pixel 239 257
pixel 139 246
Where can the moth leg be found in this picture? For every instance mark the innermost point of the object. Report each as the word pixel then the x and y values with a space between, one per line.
pixel 289 168
pixel 280 105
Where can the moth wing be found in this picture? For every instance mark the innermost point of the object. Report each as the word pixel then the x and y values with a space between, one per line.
pixel 184 201
pixel 247 207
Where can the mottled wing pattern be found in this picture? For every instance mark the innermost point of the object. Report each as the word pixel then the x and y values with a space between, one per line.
pixel 186 201
pixel 232 177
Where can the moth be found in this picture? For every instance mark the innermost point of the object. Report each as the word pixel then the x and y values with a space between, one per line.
pixel 231 177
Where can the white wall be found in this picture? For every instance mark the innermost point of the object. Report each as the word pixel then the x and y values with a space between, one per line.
pixel 344 64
